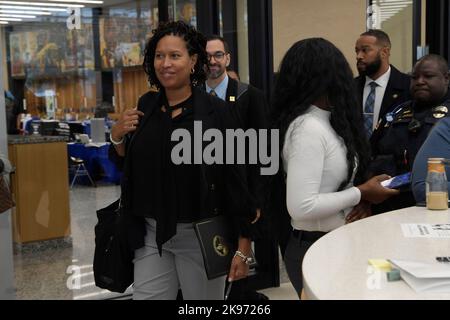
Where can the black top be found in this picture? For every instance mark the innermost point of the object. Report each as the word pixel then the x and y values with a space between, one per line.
pixel 181 180
pixel 222 189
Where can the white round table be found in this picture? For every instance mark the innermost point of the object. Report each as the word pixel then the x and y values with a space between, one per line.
pixel 336 266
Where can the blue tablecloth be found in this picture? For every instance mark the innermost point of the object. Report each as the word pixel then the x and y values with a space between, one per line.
pixel 96 162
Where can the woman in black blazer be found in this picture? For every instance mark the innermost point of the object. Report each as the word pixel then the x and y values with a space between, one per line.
pixel 161 199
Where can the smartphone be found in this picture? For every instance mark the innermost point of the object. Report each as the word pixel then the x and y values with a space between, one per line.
pixel 397 181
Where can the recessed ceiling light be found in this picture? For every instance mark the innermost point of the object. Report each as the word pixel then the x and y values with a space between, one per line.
pixel 78 1
pixel 25 12
pixel 32 8
pixel 10 19
pixel 17 16
pixel 42 4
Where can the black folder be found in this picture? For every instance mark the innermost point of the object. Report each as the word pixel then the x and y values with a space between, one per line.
pixel 214 235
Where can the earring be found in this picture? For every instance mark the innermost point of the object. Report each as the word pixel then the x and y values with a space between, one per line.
pixel 192 70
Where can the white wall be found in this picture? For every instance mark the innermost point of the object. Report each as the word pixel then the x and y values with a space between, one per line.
pixel 340 22
pixel 400 30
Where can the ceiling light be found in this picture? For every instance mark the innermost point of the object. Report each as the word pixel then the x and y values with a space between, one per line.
pixel 42 4
pixel 4 22
pixel 25 12
pixel 392 7
pixel 78 1
pixel 33 8
pixel 395 1
pixel 17 16
pixel 10 19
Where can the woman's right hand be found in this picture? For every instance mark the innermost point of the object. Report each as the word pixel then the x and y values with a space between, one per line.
pixel 127 122
pixel 374 192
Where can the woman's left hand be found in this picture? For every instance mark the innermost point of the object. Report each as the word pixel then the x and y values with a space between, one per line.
pixel 360 211
pixel 239 269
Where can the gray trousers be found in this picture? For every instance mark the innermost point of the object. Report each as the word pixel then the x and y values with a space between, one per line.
pixel 180 266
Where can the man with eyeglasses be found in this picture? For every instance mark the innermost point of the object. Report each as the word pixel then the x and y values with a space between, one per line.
pixel 251 107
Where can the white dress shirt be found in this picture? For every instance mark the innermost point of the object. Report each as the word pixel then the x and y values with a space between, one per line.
pixel 382 82
pixel 315 160
pixel 221 89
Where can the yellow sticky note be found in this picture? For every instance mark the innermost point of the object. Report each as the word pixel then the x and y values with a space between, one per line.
pixel 380 264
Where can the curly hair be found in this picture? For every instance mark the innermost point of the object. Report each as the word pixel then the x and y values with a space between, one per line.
pixel 312 69
pixel 195 44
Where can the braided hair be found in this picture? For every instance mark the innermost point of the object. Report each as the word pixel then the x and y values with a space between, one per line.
pixel 195 44
pixel 312 69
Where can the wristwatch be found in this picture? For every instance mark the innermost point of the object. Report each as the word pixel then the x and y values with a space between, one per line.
pixel 113 141
pixel 247 260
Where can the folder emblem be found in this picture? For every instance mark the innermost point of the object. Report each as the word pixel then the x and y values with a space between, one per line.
pixel 220 246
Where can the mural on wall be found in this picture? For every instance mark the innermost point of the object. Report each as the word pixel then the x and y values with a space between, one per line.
pixel 22 46
pixel 184 10
pixel 48 51
pixel 123 37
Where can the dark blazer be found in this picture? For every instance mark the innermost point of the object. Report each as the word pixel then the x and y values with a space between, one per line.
pixel 397 91
pixel 252 105
pixel 223 187
pixel 251 108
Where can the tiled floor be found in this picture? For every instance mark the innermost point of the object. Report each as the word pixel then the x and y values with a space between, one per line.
pixel 66 273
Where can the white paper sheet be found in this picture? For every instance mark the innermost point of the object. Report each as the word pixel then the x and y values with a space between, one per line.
pixel 425 277
pixel 422 230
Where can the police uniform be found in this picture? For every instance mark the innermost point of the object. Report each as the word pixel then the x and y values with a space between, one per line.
pixel 396 141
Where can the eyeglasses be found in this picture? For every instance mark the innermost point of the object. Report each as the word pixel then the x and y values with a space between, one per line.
pixel 218 56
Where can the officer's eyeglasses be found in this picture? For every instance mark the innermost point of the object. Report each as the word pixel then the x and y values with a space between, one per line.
pixel 218 56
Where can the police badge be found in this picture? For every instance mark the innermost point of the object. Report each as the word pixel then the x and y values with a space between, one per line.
pixel 440 112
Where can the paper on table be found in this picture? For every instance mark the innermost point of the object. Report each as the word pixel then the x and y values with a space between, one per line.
pixel 423 269
pixel 425 277
pixel 422 230
pixel 96 144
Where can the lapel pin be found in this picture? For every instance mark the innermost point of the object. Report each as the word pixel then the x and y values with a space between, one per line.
pixel 395 96
pixel 232 99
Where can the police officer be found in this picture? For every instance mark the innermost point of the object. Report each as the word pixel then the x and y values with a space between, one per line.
pixel 399 135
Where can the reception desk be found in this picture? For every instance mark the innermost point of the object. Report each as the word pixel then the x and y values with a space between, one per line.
pixel 40 187
pixel 336 266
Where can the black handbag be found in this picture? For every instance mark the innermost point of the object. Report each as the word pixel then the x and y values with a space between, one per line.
pixel 113 258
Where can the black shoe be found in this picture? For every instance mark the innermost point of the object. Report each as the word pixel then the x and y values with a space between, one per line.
pixel 262 296
pixel 254 295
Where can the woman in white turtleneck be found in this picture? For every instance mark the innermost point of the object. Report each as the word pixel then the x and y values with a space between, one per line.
pixel 324 151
